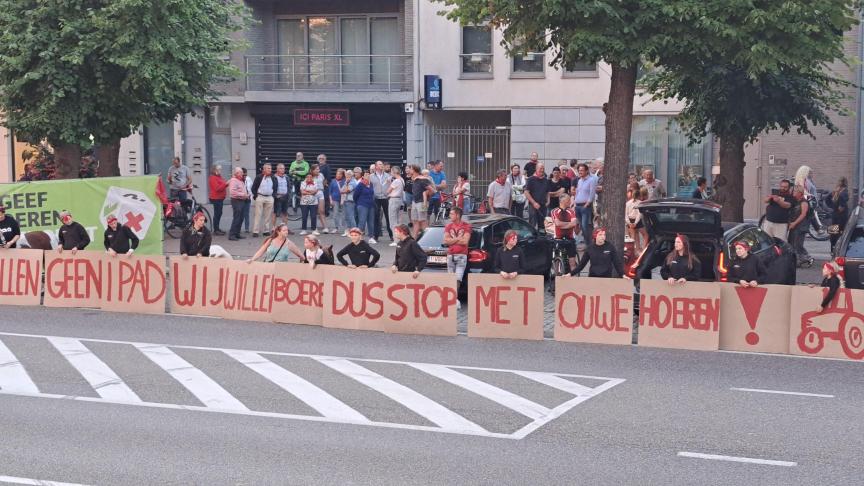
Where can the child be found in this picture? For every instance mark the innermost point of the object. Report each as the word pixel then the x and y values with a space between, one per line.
pixel 832 279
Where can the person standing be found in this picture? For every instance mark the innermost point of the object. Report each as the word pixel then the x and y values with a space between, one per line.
pixel 318 177
pixel 531 165
pixel 380 184
pixel 282 199
pixel 422 188
pixel 409 256
pixel 701 191
pixel 179 180
pixel 247 208
pixel 462 193
pixel 395 194
pixel 602 256
pixel 298 170
pixel 457 235
pixel 364 199
pixel 352 177
pixel 557 186
pixel 517 182
pixel 537 193
pixel 584 199
pixel 239 196
pixel 634 217
pixel 681 265
pixel 196 239
pixel 72 236
pixel 776 222
pixel 656 189
pixel 119 239
pixel 439 181
pixel 799 224
pixel 510 259
pixel 327 174
pixel 747 270
pixel 566 227
pixel 263 189
pixel 217 191
pixel 500 194
pixel 838 201
pixel 335 196
pixel 277 248
pixel 358 251
pixel 309 204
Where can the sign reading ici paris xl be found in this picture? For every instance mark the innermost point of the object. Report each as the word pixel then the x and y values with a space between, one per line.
pixel 329 117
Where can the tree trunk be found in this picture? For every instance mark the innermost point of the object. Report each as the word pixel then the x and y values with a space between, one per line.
pixel 109 159
pixel 67 161
pixel 619 125
pixel 732 169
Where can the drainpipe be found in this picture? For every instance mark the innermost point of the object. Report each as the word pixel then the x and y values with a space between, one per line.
pixel 859 142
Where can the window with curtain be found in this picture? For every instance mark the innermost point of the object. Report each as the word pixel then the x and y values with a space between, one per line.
pixel 323 70
pixel 158 148
pixel 384 41
pixel 477 50
pixel 292 42
pixel 219 132
pixel 354 35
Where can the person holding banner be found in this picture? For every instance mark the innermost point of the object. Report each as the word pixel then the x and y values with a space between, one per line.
pixel 119 239
pixel 72 236
pixel 510 260
pixel 681 264
pixel 10 232
pixel 362 255
pixel 314 254
pixel 602 256
pixel 277 248
pixel 196 239
pixel 747 270
pixel 409 256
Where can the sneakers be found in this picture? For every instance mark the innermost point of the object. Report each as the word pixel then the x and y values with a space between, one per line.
pixel 254 235
pixel 302 233
pixel 345 234
pixel 325 231
pixel 372 241
pixel 392 244
pixel 316 233
pixel 219 233
pixel 334 231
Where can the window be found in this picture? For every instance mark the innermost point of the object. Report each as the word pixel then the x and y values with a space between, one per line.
pixel 528 65
pixel 476 52
pixel 657 143
pixel 219 137
pixel 524 230
pixel 581 70
pixel 158 148
pixel 855 248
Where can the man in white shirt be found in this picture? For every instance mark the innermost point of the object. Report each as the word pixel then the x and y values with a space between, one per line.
pixel 500 194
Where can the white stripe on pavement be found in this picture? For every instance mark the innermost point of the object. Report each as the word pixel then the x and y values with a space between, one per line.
pixel 781 392
pixel 199 384
pixel 13 376
pixel 36 482
pixel 417 403
pixel 324 403
pixel 98 374
pixel 557 382
pixel 748 460
pixel 503 397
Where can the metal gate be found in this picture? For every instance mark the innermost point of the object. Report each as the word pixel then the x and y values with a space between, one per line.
pixel 479 151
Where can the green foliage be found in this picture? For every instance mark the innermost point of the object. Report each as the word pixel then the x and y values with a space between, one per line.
pixel 70 69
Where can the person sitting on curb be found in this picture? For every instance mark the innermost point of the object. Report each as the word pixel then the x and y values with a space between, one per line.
pixel 510 259
pixel 602 256
pixel 119 240
pixel 361 254
pixel 72 236
pixel 314 253
pixel 196 239
pixel 681 264
pixel 747 270
pixel 409 256
pixel 832 279
pixel 277 247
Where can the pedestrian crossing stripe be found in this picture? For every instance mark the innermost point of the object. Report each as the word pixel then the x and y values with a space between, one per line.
pixel 14 380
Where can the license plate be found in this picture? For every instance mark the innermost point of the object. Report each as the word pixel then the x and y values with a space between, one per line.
pixel 437 259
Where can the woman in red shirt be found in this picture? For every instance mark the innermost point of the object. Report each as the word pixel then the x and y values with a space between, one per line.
pixel 218 188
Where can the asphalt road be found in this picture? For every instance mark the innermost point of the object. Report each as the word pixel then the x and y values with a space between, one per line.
pixel 177 400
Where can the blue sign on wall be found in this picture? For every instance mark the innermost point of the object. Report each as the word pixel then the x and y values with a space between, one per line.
pixel 432 91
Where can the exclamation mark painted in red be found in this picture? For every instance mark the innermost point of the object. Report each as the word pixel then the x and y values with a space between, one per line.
pixel 751 299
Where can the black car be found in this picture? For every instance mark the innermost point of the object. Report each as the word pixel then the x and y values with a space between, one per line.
pixel 710 240
pixel 849 251
pixel 487 237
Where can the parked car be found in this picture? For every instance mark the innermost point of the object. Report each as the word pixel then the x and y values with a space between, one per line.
pixel 710 240
pixel 487 237
pixel 849 251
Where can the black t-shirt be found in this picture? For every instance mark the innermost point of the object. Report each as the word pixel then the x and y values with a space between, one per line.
pixel 554 186
pixel 409 188
pixel 775 214
pixel 9 229
pixel 530 168
pixel 418 187
pixel 538 188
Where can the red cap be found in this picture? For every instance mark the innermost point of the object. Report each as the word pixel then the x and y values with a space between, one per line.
pixel 742 244
pixel 596 232
pixel 111 219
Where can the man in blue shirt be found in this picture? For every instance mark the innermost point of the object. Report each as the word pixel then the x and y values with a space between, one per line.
pixel 586 188
pixel 439 178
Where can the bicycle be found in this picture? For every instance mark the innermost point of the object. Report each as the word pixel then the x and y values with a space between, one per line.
pixel 178 217
pixel 443 212
pixel 561 261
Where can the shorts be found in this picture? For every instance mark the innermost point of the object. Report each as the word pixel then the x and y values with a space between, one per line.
pixel 418 213
pixel 280 205
pixel 639 225
pixel 568 245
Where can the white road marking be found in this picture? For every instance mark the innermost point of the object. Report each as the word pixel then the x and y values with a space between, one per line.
pixel 36 482
pixel 503 397
pixel 13 376
pixel 323 402
pixel 781 392
pixel 417 403
pixel 202 386
pixel 557 382
pixel 748 460
pixel 98 374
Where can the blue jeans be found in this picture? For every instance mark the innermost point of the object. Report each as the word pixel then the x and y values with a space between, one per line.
pixel 246 208
pixel 308 210
pixel 336 209
pixel 217 213
pixel 366 219
pixel 586 217
pixel 350 214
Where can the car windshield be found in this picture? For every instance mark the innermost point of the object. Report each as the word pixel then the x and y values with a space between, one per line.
pixel 855 249
pixel 684 216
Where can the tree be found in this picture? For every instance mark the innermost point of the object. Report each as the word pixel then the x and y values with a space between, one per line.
pixel 79 72
pixel 768 71
pixel 620 32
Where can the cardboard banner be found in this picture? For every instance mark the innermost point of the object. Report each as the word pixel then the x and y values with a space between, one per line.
pixel 684 316
pixel 74 280
pixel 593 310
pixel 37 205
pixel 298 294
pixel 20 277
pixel 379 300
pixel 501 308
pixel 219 287
pixel 134 284
pixel 194 283
pixel 754 318
pixel 835 332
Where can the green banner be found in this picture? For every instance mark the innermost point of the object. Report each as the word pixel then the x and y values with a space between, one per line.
pixel 133 200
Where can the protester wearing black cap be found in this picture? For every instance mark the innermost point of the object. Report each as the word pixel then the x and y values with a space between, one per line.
pixel 72 235
pixel 10 232
pixel 119 239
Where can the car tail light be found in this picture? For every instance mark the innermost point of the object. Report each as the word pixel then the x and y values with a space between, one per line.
pixel 721 265
pixel 477 256
pixel 841 261
pixel 631 271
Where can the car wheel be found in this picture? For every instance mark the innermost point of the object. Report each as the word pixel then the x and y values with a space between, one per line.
pixel 810 340
pixel 852 336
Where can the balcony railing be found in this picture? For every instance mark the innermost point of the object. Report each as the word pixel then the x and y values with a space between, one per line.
pixel 380 73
